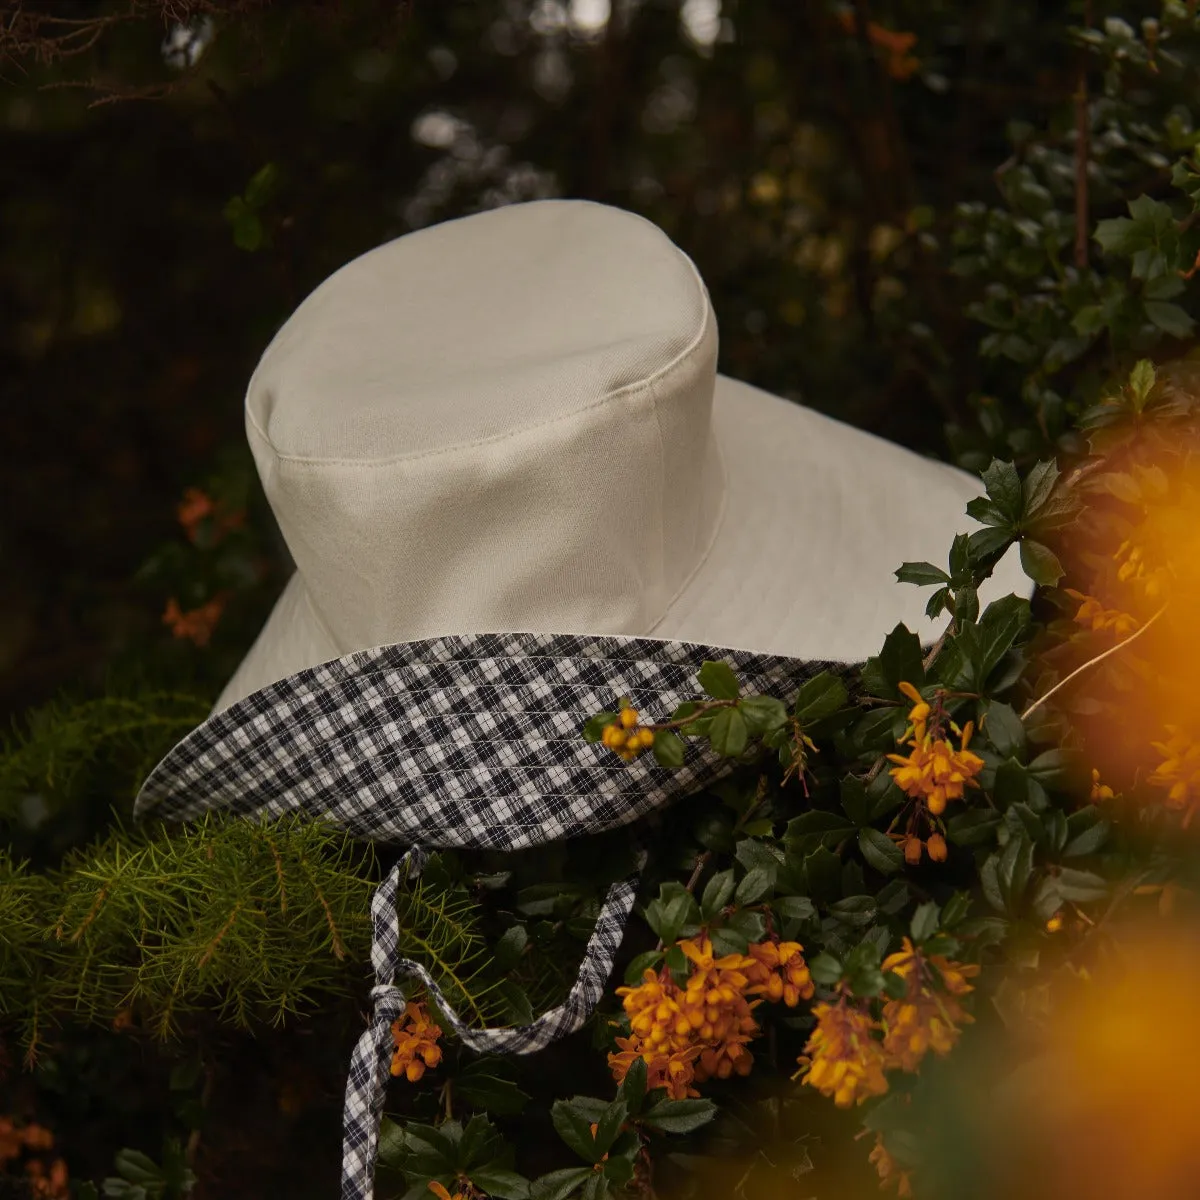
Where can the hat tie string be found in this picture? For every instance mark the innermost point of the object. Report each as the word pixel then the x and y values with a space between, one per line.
pixel 370 1064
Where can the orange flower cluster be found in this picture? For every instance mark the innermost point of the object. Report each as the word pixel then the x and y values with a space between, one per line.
pixel 933 769
pixel 913 847
pixel 198 506
pixel 442 1193
pixel 624 737
pixel 688 1034
pixel 929 1016
pixel 849 1053
pixel 1179 772
pixel 1094 616
pixel 197 624
pixel 890 1173
pixel 416 1035
pixel 1100 791
pixel 1152 583
pixel 47 1182
pixel 899 62
pixel 843 1058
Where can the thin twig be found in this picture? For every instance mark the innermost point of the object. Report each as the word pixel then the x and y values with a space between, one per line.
pixel 1092 662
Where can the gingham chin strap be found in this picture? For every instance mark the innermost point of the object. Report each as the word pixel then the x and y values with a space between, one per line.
pixel 370 1064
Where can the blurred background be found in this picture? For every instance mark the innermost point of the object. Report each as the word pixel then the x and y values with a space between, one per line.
pixel 175 177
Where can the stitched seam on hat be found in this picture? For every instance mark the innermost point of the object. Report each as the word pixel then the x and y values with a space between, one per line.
pixel 717 527
pixel 630 389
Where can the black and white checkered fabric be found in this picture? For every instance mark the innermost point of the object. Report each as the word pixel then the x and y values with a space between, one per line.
pixel 464 741
pixel 370 1064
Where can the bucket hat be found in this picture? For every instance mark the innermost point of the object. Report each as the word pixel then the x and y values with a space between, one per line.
pixel 515 488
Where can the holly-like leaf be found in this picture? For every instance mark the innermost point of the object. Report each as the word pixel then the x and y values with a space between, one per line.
pixel 1040 563
pixel 718 680
pixel 880 851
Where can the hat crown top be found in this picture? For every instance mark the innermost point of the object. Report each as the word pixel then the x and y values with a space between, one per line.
pixel 474 329
pixel 502 422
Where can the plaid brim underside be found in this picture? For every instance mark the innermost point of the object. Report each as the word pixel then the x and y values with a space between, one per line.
pixel 471 740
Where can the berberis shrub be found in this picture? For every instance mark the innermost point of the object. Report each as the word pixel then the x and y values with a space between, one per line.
pixel 894 876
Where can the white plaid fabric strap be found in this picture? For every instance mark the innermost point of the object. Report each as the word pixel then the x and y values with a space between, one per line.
pixel 370 1064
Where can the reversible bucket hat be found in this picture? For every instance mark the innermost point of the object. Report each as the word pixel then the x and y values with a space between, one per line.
pixel 515 488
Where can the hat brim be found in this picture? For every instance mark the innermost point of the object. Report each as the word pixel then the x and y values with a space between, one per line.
pixel 472 741
pixel 811 582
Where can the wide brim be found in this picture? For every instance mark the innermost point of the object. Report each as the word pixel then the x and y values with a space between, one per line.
pixel 469 741
pixel 817 517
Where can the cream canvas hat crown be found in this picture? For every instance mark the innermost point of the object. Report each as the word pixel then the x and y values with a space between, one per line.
pixel 515 488
pixel 513 421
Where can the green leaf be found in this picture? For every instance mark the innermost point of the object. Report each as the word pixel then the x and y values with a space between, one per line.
pixel 648 960
pixel 987 542
pixel 679 1116
pixel 924 922
pixel 972 827
pixel 558 1185
pixel 1038 486
pixel 717 894
pixel 509 947
pixel 855 803
pixel 505 1185
pixel 825 969
pixel 923 574
pixel 485 1084
pixel 262 185
pixel 1003 728
pixel 792 912
pixel 674 910
pixel 728 733
pixel 574 1128
pixel 608 1128
pixel 1080 886
pixel 1088 841
pixel 763 714
pixel 755 885
pixel 718 680
pixel 1141 379
pixel 855 910
pixel 989 881
pixel 1003 486
pixel 1170 318
pixel 1040 563
pixel 633 1086
pixel 820 697
pixel 1001 623
pixel 880 851
pixel 668 749
pixel 136 1167
pixel 901 660
pixel 737 931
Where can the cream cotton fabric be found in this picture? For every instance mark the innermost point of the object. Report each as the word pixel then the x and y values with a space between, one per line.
pixel 513 422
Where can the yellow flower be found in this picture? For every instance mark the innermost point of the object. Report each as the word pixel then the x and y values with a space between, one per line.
pixel 933 769
pixel 1100 791
pixel 1179 772
pixel 415 1035
pixel 440 1191
pixel 780 972
pixel 1055 923
pixel 936 845
pixel 890 1174
pixel 844 1059
pixel 928 1016
pixel 624 735
pixel 1093 615
pixel 671 1069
